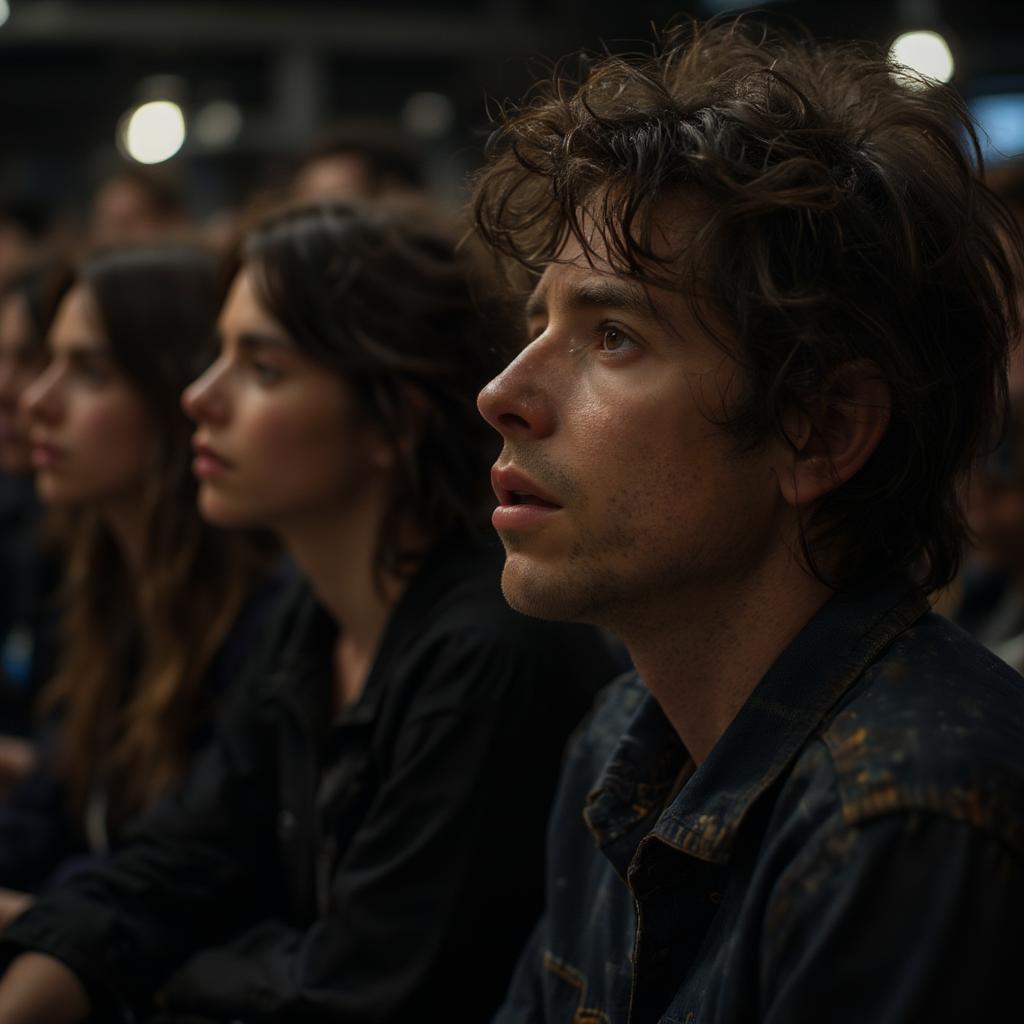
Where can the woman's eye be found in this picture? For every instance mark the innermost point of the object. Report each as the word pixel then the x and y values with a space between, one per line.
pixel 266 372
pixel 92 373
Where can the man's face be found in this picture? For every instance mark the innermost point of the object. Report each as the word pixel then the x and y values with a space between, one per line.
pixel 617 490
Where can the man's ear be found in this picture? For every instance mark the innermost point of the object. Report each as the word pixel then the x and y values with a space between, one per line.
pixel 832 439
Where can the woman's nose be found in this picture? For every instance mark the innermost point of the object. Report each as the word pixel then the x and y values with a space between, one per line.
pixel 204 400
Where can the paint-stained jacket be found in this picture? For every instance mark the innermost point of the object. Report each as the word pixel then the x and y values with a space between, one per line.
pixel 851 850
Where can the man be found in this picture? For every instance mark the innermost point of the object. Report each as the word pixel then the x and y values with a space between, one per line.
pixel 769 333
pixel 988 598
pixel 362 160
pixel 134 205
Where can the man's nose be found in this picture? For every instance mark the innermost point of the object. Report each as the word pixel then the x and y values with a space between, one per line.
pixel 518 403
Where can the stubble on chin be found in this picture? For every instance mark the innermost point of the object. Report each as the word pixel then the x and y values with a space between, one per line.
pixel 537 593
pixel 569 592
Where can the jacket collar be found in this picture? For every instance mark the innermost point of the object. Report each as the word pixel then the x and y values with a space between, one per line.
pixel 787 706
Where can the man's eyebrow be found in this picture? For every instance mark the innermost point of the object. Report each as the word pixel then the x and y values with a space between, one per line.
pixel 596 294
pixel 607 293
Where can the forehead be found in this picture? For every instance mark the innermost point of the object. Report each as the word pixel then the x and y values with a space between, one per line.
pixel 77 321
pixel 15 325
pixel 242 308
pixel 245 323
pixel 582 279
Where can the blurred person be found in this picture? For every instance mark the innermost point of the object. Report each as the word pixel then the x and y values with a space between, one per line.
pixel 24 225
pixel 27 566
pixel 136 205
pixel 988 597
pixel 358 160
pixel 768 339
pixel 158 607
pixel 365 841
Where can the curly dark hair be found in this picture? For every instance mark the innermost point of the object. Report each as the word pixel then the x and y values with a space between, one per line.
pixel 840 216
pixel 392 298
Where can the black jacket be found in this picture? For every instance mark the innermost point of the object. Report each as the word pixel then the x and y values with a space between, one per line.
pixel 384 867
pixel 41 841
pixel 29 581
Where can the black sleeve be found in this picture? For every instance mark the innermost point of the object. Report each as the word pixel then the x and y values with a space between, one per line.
pixel 904 918
pixel 35 834
pixel 186 872
pixel 429 887
pixel 36 831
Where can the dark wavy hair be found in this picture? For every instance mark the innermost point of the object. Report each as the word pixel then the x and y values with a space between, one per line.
pixel 135 646
pixel 838 214
pixel 387 296
pixel 40 284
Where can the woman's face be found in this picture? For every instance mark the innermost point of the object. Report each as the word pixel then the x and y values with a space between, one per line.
pixel 21 359
pixel 92 439
pixel 279 442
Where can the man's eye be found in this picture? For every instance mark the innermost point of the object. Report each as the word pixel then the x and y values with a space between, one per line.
pixel 615 340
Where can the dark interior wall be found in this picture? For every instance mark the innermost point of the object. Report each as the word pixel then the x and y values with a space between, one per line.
pixel 70 69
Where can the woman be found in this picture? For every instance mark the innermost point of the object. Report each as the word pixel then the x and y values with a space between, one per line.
pixel 29 572
pixel 157 604
pixel 365 841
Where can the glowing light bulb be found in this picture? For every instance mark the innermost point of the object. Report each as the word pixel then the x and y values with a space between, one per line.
pixel 154 132
pixel 927 53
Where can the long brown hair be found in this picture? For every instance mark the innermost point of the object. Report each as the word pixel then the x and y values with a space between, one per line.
pixel 841 216
pixel 135 646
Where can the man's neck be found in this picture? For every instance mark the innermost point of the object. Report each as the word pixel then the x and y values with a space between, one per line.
pixel 702 653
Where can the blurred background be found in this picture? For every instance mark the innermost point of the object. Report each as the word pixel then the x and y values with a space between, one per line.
pixel 223 99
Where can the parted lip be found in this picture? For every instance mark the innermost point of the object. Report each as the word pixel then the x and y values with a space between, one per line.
pixel 44 444
pixel 201 447
pixel 511 486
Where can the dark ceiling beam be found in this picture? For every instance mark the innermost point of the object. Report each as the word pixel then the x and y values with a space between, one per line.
pixel 366 32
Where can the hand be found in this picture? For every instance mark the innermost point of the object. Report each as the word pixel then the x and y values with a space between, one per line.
pixel 12 904
pixel 17 759
pixel 39 989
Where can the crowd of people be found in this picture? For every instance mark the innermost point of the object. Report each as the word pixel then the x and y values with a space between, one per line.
pixel 532 612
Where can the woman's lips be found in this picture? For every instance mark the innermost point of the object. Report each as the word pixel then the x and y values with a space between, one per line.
pixel 208 464
pixel 45 455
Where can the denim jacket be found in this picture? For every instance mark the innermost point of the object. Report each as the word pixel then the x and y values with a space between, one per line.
pixel 851 850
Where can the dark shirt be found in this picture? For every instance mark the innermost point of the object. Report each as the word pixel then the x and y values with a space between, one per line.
pixel 41 841
pixel 382 865
pixel 29 579
pixel 852 849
